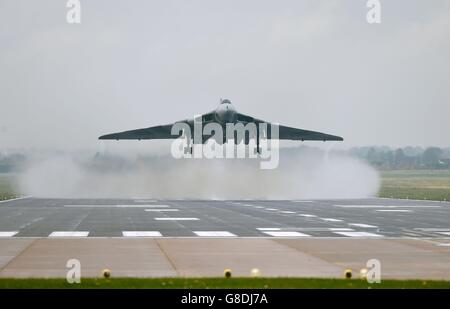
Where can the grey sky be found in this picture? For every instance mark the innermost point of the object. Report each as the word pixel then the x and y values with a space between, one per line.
pixel 310 64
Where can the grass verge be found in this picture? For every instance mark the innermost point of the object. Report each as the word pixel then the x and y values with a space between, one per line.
pixel 214 283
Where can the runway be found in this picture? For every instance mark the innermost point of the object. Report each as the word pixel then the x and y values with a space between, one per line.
pixel 32 217
pixel 168 238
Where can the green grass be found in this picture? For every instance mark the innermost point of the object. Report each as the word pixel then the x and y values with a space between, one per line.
pixel 414 184
pixel 213 283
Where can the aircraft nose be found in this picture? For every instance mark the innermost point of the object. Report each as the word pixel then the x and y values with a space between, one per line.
pixel 227 115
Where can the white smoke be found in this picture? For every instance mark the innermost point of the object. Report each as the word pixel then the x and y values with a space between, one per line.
pixel 302 173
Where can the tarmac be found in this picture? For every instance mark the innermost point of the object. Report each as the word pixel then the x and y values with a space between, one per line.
pixel 171 238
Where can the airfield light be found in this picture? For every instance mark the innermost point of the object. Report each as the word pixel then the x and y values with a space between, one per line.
pixel 255 273
pixel 363 273
pixel 348 274
pixel 227 273
pixel 106 273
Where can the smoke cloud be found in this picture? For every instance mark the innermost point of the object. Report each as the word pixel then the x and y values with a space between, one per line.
pixel 302 173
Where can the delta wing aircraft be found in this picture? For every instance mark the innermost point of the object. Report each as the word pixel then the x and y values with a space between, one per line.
pixel 224 114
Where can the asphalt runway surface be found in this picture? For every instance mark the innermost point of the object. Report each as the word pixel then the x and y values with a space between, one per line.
pixel 33 217
pixel 171 238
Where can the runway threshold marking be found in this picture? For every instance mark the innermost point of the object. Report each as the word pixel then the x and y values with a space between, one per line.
pixel 358 234
pixel 68 234
pixel 214 234
pixel 362 225
pixel 176 219
pixel 8 234
pixel 141 234
pixel 286 234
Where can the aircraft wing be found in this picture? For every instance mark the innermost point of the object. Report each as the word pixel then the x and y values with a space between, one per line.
pixel 156 132
pixel 289 133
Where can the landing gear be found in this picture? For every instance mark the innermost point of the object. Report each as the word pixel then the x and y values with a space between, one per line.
pixel 258 150
pixel 189 146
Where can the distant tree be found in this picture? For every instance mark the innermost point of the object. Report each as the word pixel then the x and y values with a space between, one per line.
pixel 400 159
pixel 431 156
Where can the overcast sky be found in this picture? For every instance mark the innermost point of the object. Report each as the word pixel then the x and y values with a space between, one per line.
pixel 310 64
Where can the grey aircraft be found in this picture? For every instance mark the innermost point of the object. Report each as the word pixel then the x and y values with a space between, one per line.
pixel 224 114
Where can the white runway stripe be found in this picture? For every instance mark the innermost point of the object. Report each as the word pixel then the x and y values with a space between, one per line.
pixel 308 216
pixel 160 210
pixel 444 233
pixel 363 225
pixel 288 212
pixel 15 199
pixel 8 234
pixel 68 234
pixel 287 234
pixel 141 234
pixel 214 234
pixel 393 210
pixel 176 219
pixel 358 234
pixel 331 220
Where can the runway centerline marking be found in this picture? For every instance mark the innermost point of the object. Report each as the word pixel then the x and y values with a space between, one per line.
pixel 68 234
pixel 331 219
pixel 176 219
pixel 286 234
pixel 141 234
pixel 393 210
pixel 358 234
pixel 362 225
pixel 214 234
pixel 8 234
pixel 307 215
